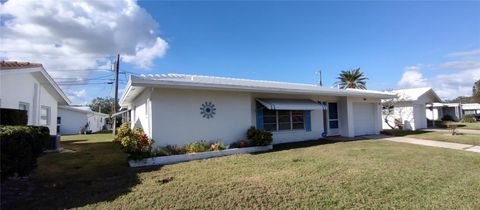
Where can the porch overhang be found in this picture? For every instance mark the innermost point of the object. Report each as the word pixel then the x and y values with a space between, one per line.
pixel 293 104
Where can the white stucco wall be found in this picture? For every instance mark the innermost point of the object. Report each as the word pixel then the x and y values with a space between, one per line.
pixel 420 115
pixel 140 112
pixel 96 121
pixel 20 87
pixel 71 121
pixel 176 117
pixel 413 116
pixel 434 114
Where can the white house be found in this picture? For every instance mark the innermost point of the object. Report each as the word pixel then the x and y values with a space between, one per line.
pixel 471 109
pixel 437 111
pixel 176 109
pixel 28 86
pixel 456 111
pixel 409 108
pixel 74 119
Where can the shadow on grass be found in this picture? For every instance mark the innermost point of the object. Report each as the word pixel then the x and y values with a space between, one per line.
pixel 97 172
pixel 397 132
pixel 328 140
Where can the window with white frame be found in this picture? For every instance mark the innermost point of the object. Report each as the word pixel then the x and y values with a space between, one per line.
pixel 23 106
pixel 45 115
pixel 278 120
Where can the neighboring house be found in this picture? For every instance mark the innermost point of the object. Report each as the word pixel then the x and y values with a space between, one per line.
pixel 437 111
pixel 74 120
pixel 454 110
pixel 409 108
pixel 471 109
pixel 28 86
pixel 176 109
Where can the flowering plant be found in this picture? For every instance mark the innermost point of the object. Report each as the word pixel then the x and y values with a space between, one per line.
pixel 134 142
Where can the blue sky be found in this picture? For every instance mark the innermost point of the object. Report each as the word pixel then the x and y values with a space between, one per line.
pixel 396 44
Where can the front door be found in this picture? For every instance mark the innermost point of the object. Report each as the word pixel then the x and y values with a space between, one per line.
pixel 332 119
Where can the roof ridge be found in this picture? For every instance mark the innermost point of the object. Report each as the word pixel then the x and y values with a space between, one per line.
pixel 175 75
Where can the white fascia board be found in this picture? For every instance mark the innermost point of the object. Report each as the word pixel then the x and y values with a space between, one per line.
pixel 189 85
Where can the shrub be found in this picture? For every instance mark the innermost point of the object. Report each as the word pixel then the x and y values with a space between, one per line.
pixel 20 148
pixel 447 118
pixel 259 137
pixel 198 146
pixel 134 142
pixel 122 132
pixel 13 117
pixel 251 132
pixel 468 119
pixel 218 146
pixel 175 150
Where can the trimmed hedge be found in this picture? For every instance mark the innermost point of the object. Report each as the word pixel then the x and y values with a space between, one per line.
pixel 20 148
pixel 13 117
pixel 259 137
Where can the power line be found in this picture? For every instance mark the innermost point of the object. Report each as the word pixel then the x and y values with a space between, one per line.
pixel 56 70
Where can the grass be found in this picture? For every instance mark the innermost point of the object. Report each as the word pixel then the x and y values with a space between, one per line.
pixel 471 126
pixel 472 139
pixel 371 174
pixel 461 125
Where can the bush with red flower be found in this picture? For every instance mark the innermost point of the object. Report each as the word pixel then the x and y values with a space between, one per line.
pixel 134 142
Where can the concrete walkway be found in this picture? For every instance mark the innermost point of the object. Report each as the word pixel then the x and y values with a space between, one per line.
pixel 459 130
pixel 449 145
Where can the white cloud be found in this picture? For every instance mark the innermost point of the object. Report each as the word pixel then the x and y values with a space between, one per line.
pixel 65 35
pixel 458 81
pixel 77 95
pixel 145 55
pixel 412 78
pixel 466 54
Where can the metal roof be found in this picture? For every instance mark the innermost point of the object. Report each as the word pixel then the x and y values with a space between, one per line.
pixel 83 109
pixel 137 83
pixel 414 94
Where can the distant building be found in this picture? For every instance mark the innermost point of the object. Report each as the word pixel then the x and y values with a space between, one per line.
pixel 28 86
pixel 456 111
pixel 75 120
pixel 409 108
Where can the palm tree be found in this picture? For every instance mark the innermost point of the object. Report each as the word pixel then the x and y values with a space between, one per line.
pixel 352 79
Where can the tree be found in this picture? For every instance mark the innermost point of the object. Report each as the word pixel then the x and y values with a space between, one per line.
pixel 103 105
pixel 476 89
pixel 475 98
pixel 352 79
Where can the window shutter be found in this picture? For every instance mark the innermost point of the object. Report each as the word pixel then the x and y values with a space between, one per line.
pixel 308 124
pixel 259 114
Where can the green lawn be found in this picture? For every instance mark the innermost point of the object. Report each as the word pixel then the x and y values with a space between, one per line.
pixel 472 126
pixel 472 139
pixel 372 174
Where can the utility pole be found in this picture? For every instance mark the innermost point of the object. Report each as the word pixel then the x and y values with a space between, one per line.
pixel 319 73
pixel 115 102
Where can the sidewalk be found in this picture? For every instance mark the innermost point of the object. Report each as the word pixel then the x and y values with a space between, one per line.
pixel 449 145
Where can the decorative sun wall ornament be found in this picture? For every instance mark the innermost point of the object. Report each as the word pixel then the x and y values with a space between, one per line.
pixel 208 110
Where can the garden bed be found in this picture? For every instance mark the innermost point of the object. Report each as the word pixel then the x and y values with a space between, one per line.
pixel 165 160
